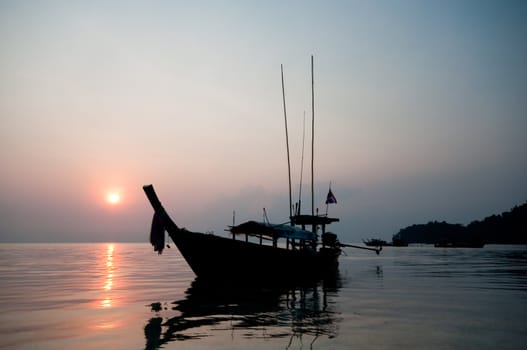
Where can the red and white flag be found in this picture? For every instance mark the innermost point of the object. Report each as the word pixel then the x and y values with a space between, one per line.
pixel 331 199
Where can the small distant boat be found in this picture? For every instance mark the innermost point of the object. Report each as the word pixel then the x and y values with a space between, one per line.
pixel 284 252
pixel 451 244
pixel 376 242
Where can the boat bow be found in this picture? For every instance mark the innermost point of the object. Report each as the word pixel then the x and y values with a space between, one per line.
pixel 161 221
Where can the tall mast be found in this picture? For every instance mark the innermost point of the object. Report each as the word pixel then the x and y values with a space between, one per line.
pixel 301 165
pixel 287 144
pixel 312 141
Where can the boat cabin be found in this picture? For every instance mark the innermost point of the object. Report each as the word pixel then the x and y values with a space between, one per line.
pixel 296 237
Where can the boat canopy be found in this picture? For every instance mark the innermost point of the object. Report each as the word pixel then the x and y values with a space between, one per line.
pixel 274 231
pixel 312 220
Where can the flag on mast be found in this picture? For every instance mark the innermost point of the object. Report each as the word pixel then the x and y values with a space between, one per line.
pixel 331 199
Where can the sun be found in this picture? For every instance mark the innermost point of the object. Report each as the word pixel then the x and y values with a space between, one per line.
pixel 113 198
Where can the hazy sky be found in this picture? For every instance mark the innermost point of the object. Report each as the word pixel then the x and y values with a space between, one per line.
pixel 421 113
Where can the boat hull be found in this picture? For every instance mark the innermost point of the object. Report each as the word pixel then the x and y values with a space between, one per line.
pixel 214 257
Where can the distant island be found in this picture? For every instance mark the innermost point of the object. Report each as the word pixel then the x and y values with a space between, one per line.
pixel 506 228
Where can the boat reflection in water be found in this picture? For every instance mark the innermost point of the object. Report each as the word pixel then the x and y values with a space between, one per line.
pixel 287 313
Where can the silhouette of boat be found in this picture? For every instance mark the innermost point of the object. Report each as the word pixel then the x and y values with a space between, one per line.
pixel 283 251
pixel 228 258
pixel 375 242
pixel 454 244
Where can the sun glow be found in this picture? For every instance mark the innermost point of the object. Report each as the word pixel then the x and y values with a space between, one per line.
pixel 113 198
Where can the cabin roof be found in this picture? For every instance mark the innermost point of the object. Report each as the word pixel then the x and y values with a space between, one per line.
pixel 255 228
pixel 312 220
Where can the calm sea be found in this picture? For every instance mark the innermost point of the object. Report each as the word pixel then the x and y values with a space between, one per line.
pixel 123 296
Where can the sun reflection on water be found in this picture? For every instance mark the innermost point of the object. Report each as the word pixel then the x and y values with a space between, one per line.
pixel 107 302
pixel 108 283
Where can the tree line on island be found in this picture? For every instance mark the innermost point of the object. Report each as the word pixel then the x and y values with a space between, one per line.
pixel 506 228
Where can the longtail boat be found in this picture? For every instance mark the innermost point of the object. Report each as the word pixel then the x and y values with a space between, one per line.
pixel 282 252
pixel 229 258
